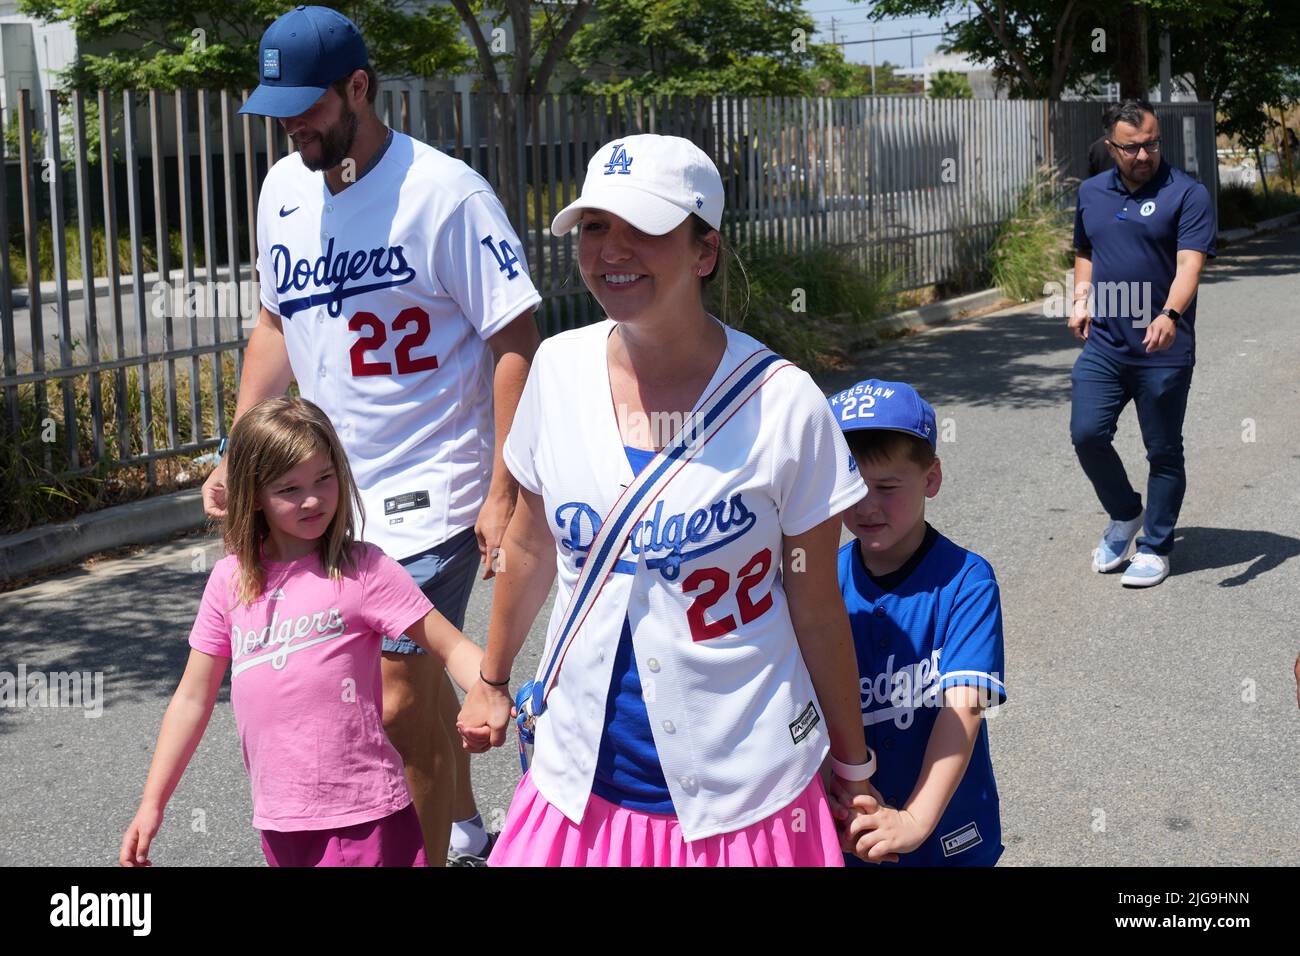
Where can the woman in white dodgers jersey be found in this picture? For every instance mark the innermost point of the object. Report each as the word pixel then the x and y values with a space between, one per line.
pixel 715 672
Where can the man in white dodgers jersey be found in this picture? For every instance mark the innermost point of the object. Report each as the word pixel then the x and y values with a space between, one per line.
pixel 395 292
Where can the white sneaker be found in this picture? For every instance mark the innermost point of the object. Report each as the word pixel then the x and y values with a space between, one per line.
pixel 1112 551
pixel 1145 570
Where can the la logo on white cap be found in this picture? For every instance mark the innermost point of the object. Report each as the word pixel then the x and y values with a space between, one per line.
pixel 620 162
pixel 649 180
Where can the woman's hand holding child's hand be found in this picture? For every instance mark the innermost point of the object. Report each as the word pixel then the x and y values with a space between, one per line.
pixel 483 718
pixel 850 803
pixel 879 833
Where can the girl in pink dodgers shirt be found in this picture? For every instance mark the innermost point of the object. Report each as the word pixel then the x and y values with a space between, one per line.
pixel 299 607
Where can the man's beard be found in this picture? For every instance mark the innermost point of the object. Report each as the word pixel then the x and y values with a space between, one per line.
pixel 1139 175
pixel 337 141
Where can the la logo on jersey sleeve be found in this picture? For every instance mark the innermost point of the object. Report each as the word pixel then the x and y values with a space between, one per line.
pixel 504 255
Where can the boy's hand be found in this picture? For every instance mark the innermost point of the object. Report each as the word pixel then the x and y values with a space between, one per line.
pixel 139 835
pixel 880 833
pixel 843 797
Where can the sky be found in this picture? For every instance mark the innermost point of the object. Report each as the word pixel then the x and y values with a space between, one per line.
pixel 850 23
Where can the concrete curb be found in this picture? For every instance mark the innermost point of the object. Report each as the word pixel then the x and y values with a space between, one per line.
pixel 1230 236
pixel 929 316
pixel 140 522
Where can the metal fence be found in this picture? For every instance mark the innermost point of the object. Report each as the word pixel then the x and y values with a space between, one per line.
pixel 143 349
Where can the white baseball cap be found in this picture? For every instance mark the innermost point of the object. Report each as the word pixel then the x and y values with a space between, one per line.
pixel 652 181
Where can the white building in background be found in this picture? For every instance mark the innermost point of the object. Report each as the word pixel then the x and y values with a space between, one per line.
pixel 31 55
pixel 980 77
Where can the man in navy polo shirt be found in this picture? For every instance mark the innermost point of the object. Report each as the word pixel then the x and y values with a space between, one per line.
pixel 1142 232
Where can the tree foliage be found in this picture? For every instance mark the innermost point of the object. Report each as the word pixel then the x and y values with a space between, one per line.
pixel 212 44
pixel 1251 63
pixel 540 34
pixel 947 85
pixel 705 47
pixel 1244 55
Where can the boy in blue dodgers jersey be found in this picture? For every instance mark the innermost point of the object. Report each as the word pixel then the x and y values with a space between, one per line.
pixel 927 627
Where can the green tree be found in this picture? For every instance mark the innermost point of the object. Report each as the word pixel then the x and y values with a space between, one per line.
pixel 1246 66
pixel 1240 50
pixel 705 47
pixel 946 85
pixel 1038 48
pixel 212 44
pixel 540 34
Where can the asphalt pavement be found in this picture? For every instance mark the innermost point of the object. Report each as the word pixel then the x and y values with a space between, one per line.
pixel 1142 726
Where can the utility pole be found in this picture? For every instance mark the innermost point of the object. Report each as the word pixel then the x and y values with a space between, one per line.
pixel 834 42
pixel 873 59
pixel 1166 80
pixel 911 52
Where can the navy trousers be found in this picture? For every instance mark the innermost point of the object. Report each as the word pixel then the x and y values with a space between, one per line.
pixel 1102 387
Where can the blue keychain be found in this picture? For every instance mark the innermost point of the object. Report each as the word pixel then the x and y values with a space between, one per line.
pixel 524 722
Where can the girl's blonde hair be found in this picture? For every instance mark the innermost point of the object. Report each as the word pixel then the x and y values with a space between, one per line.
pixel 268 440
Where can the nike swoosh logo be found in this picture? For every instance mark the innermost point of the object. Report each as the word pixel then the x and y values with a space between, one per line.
pixel 285 212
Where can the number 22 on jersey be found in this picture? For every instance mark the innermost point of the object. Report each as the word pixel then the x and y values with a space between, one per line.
pixel 714 583
pixel 414 321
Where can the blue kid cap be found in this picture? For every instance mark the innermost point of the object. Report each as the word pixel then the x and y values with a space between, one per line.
pixel 895 406
pixel 301 54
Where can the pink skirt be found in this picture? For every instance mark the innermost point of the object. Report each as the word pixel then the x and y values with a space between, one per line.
pixel 394 840
pixel 537 834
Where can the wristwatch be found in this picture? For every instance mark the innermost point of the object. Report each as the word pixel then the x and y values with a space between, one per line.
pixel 1172 313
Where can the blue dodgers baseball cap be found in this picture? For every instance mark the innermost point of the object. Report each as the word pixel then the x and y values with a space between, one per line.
pixel 895 406
pixel 301 54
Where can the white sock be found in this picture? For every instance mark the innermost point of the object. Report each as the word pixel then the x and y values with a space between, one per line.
pixel 469 836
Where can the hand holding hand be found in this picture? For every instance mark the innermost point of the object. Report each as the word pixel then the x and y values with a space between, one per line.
pixel 880 832
pixel 483 717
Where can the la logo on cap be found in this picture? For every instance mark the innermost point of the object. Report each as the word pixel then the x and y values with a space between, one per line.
pixel 620 159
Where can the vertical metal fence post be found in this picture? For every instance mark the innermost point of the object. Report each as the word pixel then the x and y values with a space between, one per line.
pixel 136 221
pixel 7 331
pixel 31 235
pixel 163 244
pixel 53 173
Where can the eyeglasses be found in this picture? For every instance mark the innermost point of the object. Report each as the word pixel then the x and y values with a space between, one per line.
pixel 1131 149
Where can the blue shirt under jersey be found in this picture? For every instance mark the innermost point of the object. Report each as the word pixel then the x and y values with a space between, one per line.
pixel 628 772
pixel 934 623
pixel 1134 238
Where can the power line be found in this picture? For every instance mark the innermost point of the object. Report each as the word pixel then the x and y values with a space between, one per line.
pixel 858 9
pixel 905 36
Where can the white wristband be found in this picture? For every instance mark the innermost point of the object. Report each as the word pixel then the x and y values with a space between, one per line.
pixel 855 771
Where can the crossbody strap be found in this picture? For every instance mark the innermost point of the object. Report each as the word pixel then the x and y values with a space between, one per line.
pixel 696 432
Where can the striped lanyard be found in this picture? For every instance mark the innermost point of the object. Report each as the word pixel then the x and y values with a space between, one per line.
pixel 696 432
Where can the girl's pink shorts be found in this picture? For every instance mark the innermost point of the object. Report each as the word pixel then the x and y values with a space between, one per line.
pixel 394 840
